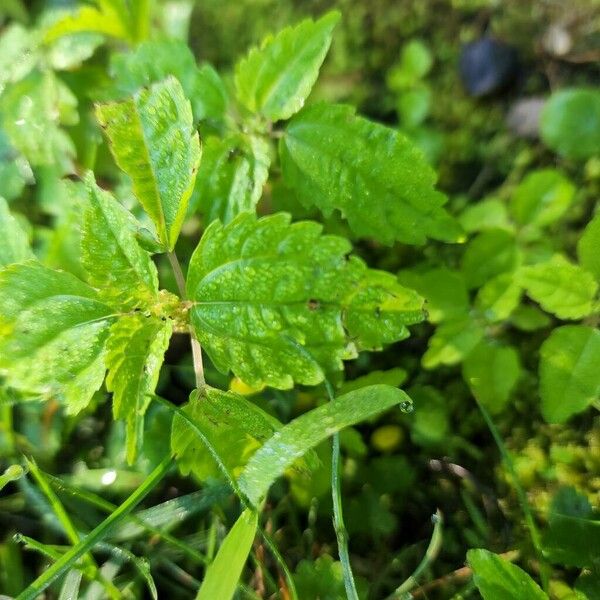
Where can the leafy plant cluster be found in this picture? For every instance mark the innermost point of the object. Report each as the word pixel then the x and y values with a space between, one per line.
pixel 143 161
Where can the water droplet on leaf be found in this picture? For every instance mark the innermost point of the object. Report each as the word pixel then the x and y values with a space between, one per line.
pixel 407 406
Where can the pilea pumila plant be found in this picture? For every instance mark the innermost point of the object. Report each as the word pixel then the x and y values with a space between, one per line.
pixel 278 303
pixel 274 300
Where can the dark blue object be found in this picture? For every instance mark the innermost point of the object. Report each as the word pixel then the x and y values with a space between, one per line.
pixel 487 66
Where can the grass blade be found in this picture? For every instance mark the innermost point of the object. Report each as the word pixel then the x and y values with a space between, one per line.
pixel 61 566
pixel 224 573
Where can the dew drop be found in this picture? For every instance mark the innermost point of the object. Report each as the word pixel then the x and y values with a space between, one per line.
pixel 407 406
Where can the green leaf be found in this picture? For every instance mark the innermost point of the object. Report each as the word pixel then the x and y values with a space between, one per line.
pixel 32 112
pixel 234 426
pixel 322 579
pixel 571 520
pixel 394 377
pixel 224 572
pixel 275 79
pixel 415 62
pixel 560 287
pixel 569 374
pixel 153 140
pixel 492 371
pixel 499 297
pixel 15 242
pixel 69 52
pixel 134 354
pixel 18 53
pixel 231 176
pixel 444 291
pixel 498 579
pixel 489 254
pixel 15 170
pixel 53 328
pixel 529 318
pixel 452 342
pixel 105 19
pixel 413 106
pixel 62 248
pixel 70 587
pixel 430 420
pixel 570 123
pixel 487 214
pixel 12 473
pixel 155 60
pixel 588 247
pixel 378 309
pixel 375 176
pixel 542 198
pixel 118 267
pixel 295 439
pixel 277 302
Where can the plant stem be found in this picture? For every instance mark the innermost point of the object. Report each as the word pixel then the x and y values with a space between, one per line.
pixel 529 521
pixel 433 549
pixel 66 561
pixel 280 560
pixel 338 514
pixel 196 348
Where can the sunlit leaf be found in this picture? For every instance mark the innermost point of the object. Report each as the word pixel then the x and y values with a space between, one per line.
pixel 560 287
pixel 277 302
pixel 588 247
pixel 153 140
pixel 570 122
pixel 15 242
pixel 542 198
pixel 53 328
pixel 305 432
pixel 231 176
pixel 234 426
pixel 452 342
pixel 569 374
pixel 117 266
pixel 276 78
pixel 134 354
pixel 498 579
pixel 491 371
pixel 378 180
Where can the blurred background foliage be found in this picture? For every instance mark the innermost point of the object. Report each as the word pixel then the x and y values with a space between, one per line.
pixel 467 80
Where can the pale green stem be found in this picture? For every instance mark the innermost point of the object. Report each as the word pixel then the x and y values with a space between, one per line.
pixel 433 549
pixel 338 514
pixel 196 349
